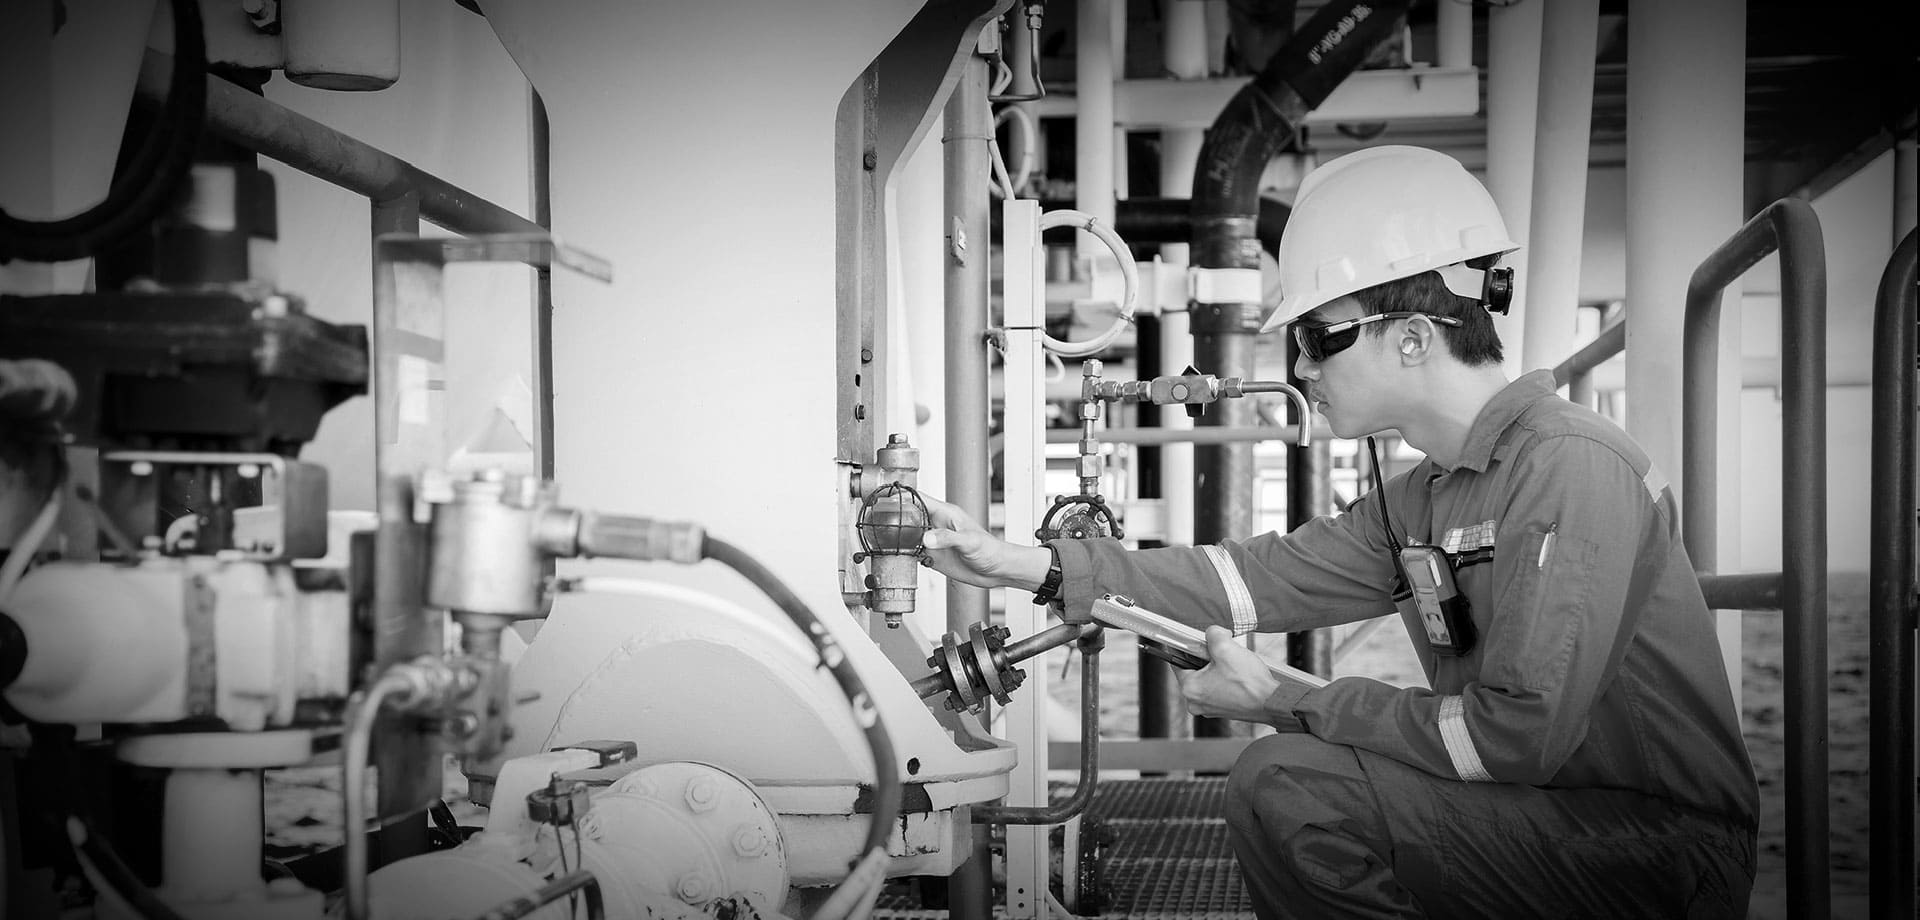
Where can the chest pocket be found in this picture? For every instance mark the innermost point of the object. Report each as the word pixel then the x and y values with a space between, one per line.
pixel 1537 614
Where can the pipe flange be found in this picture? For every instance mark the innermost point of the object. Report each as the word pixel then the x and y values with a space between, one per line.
pixel 984 660
pixel 962 695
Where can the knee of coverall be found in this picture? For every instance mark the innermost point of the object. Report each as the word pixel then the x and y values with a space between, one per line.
pixel 1288 752
pixel 1301 802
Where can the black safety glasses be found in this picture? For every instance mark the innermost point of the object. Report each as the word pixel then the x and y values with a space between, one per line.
pixel 1320 341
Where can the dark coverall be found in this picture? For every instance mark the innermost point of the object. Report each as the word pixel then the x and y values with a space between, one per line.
pixel 1583 759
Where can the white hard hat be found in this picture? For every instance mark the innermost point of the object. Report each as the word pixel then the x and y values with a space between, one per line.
pixel 1381 214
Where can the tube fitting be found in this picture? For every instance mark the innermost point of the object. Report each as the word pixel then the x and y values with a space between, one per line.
pixel 425 683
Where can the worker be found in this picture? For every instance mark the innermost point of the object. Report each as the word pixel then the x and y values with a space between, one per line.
pixel 1578 753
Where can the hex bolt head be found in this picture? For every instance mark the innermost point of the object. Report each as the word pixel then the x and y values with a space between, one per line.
pixel 748 841
pixel 702 795
pixel 693 887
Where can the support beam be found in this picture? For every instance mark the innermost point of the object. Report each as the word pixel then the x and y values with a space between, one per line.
pixel 1562 132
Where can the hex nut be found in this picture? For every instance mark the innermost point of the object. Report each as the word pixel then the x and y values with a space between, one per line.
pixel 693 887
pixel 748 841
pixel 701 794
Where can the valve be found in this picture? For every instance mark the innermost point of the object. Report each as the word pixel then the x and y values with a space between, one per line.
pixel 1078 517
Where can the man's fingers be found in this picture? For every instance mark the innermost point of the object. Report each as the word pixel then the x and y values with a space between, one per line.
pixel 943 539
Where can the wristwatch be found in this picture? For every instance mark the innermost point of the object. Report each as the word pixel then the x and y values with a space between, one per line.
pixel 1049 590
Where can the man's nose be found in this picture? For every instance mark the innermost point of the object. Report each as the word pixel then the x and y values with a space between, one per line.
pixel 1306 368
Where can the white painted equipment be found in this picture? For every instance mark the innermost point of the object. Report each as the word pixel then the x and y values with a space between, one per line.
pixel 688 676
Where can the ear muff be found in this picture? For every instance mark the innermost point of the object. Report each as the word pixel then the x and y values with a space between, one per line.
pixel 1497 294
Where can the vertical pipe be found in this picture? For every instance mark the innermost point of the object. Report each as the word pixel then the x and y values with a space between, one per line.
pixel 1093 74
pixel 407 761
pixel 1903 187
pixel 967 131
pixel 540 201
pixel 1513 92
pixel 1184 44
pixel 1117 56
pixel 1223 335
pixel 211 835
pixel 968 128
pixel 1309 494
pixel 1026 724
pixel 1158 693
pixel 1890 874
pixel 1562 133
pixel 1685 91
pixel 1455 45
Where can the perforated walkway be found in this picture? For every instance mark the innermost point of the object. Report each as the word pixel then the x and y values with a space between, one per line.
pixel 1162 853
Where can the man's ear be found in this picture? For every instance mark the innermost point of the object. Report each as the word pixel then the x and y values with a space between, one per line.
pixel 1416 337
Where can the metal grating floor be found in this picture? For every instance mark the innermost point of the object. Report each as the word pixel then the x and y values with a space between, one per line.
pixel 1167 856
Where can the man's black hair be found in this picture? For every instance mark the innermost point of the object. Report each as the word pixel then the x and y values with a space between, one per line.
pixel 1474 342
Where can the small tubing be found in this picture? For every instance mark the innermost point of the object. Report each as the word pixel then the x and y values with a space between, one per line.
pixel 1129 275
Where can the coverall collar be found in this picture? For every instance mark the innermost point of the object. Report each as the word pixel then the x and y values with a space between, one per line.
pixel 1499 412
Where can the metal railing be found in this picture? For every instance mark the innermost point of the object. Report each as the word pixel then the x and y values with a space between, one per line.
pixel 1890 596
pixel 1576 373
pixel 1790 227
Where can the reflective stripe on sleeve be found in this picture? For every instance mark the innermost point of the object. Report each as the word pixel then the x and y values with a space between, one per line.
pixel 1239 597
pixel 1453 732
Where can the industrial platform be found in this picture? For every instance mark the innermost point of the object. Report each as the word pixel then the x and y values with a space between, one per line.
pixel 1162 854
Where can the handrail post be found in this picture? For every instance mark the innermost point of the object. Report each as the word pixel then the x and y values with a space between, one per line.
pixel 1890 597
pixel 1790 227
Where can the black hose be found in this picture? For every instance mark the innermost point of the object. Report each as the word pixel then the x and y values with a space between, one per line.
pixel 95 851
pixel 89 847
pixel 144 188
pixel 887 789
pixel 1261 119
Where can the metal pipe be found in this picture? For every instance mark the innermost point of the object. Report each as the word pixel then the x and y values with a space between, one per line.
pixel 1791 227
pixel 1454 46
pixel 1562 135
pixel 580 880
pixel 1513 93
pixel 1165 346
pixel 967 131
pixel 313 148
pixel 1169 221
pixel 1093 73
pixel 363 712
pixel 1745 591
pixel 1904 181
pixel 935 683
pixel 966 163
pixel 1247 434
pixel 1576 372
pixel 1309 495
pixel 540 168
pixel 1089 752
pixel 1159 695
pixel 1890 595
pixel 407 760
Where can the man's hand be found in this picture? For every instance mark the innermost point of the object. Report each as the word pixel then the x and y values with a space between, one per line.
pixel 1235 686
pixel 959 548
